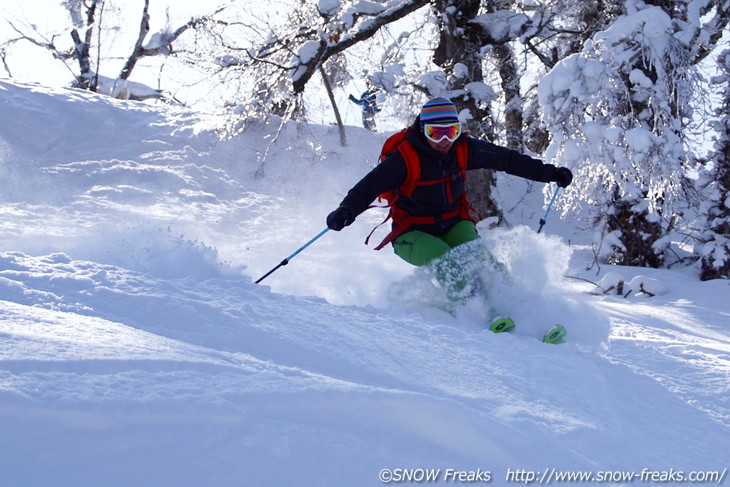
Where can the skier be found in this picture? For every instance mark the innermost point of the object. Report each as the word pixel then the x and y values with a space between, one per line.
pixel 431 215
pixel 370 107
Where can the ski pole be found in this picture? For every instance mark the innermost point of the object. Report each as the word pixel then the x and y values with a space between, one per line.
pixel 543 220
pixel 286 261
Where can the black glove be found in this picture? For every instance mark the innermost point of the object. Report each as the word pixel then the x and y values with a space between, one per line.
pixel 339 219
pixel 563 177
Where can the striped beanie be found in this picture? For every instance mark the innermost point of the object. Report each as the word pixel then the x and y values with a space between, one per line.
pixel 439 110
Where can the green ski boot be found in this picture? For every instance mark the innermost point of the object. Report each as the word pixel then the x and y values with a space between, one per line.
pixel 502 325
pixel 556 334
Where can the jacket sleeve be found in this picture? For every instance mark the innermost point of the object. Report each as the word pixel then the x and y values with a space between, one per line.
pixel 387 175
pixel 485 155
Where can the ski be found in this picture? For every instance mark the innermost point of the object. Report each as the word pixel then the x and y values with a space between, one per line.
pixel 502 325
pixel 556 334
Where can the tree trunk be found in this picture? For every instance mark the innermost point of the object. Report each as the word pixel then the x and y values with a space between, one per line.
pixel 340 125
pixel 510 77
pixel 82 51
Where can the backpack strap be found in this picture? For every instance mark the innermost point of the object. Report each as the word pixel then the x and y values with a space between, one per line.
pixel 413 168
pixel 409 220
pixel 462 155
pixel 413 174
pixel 404 220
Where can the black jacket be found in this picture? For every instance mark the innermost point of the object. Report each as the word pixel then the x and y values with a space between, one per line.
pixel 431 200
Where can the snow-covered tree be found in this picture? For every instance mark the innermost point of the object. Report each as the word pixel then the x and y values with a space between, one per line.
pixel 519 42
pixel 714 236
pixel 556 30
pixel 617 113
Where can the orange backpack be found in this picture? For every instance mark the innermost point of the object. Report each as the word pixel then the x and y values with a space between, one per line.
pixel 401 217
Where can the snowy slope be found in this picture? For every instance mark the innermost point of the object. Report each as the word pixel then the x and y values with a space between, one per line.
pixel 136 350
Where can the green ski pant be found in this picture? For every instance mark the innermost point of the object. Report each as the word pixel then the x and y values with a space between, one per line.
pixel 450 268
pixel 420 248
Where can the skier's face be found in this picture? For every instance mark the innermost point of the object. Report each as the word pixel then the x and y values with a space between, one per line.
pixel 443 146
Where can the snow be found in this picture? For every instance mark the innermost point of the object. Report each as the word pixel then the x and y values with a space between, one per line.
pixel 638 78
pixel 480 91
pixel 646 285
pixel 160 40
pixel 307 51
pixel 611 282
pixel 502 24
pixel 328 7
pixel 135 348
pixel 639 139
pixel 574 76
pixel 651 24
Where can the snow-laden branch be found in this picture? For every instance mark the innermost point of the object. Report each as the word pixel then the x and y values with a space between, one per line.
pixel 314 53
pixel 161 42
pixel 502 25
pixel 703 38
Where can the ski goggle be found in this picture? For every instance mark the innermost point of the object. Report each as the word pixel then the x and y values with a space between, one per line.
pixel 436 132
